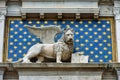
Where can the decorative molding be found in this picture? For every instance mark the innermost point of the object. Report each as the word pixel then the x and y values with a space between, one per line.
pixel 117 13
pixel 106 10
pixel 24 16
pixel 77 16
pixel 42 16
pixel 96 15
pixel 59 15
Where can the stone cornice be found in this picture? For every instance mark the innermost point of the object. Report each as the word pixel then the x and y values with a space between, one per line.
pixel 59 66
pixel 58 0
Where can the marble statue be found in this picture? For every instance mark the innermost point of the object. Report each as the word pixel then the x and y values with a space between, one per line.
pixel 61 50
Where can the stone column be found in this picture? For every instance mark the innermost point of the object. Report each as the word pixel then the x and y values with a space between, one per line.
pixel 117 24
pixel 1 73
pixel 2 26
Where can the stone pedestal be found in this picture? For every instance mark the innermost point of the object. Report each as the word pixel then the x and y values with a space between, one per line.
pixel 53 71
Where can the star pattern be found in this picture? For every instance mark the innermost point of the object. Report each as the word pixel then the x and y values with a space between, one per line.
pixel 92 37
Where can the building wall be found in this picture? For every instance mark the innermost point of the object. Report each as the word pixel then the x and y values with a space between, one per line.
pixel 27 8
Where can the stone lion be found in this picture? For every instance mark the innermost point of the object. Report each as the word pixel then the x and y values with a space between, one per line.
pixel 61 50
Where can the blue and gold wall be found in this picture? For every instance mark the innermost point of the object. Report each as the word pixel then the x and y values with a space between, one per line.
pixel 92 37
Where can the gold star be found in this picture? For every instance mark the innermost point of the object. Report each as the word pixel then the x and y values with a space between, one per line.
pixel 91 44
pixel 90 29
pixel 110 61
pixel 68 26
pixel 41 25
pixel 20 29
pixel 108 22
pixel 29 22
pixel 86 33
pixel 109 52
pixel 86 25
pixel 77 48
pixel 12 22
pixel 15 47
pixel 81 44
pixel 95 33
pixel 99 22
pixel 104 33
pixel 100 44
pixel 103 26
pixel 95 25
pixel 24 47
pixel 11 51
pixel 24 39
pixel 29 43
pixel 20 36
pixel 11 29
pixel 11 36
pixel 81 29
pixel 86 40
pixel 16 25
pixel 108 29
pixel 105 56
pixel 76 32
pixel 77 40
pixel 20 51
pixel 95 40
pixel 96 48
pixel 72 22
pixel 55 22
pixel 99 36
pixel 20 43
pixel 34 25
pixel 81 22
pixel 15 32
pixel 38 22
pixel 76 26
pixel 81 36
pixel 29 36
pixel 25 32
pixel 104 40
pixel 89 22
pixel 100 60
pixel 91 60
pixel 96 56
pixel 108 36
pixel 108 44
pixel 86 48
pixel 63 22
pixel 33 39
pixel 100 52
pixel 21 22
pixel 15 40
pixel 45 22
pixel 105 48
pixel 91 52
pixel 99 29
pixel 90 36
pixel 11 43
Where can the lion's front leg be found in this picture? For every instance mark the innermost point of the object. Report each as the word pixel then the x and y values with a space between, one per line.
pixel 58 57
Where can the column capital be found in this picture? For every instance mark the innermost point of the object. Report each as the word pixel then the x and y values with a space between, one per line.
pixel 117 13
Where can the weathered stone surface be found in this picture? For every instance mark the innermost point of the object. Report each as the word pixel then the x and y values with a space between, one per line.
pixel 65 71
pixel 79 58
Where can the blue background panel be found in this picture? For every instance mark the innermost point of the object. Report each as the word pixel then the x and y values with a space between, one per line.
pixel 92 37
